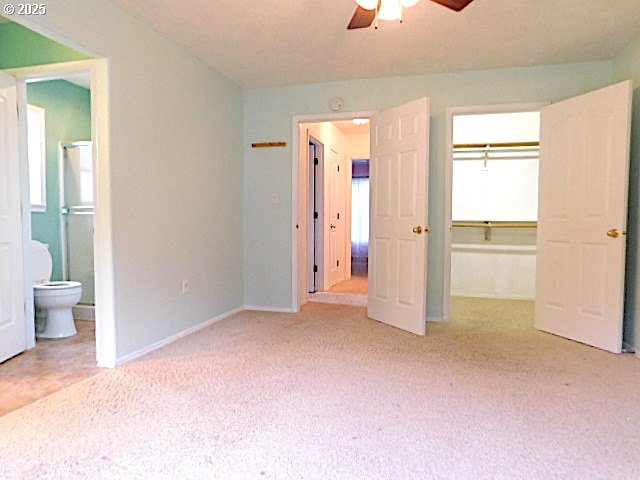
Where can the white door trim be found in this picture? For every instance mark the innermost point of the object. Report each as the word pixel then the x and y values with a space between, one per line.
pixel 296 120
pixel 103 241
pixel 448 182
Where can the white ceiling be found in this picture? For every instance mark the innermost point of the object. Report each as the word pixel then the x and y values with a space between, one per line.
pixel 349 128
pixel 283 42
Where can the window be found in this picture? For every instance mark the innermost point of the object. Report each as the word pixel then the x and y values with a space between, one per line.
pixel 37 158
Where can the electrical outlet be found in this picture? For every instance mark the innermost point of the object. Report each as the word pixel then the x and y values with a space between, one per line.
pixel 186 286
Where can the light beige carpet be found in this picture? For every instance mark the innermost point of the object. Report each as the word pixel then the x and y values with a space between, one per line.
pixel 328 394
pixel 354 284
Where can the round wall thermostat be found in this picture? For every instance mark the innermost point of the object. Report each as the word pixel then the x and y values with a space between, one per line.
pixel 336 104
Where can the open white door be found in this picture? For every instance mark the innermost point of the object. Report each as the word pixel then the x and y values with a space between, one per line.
pixel 582 217
pixel 398 232
pixel 12 303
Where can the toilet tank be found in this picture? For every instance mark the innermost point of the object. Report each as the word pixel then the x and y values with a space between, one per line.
pixel 42 263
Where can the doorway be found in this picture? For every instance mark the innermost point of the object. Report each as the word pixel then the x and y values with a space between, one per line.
pixel 581 214
pixel 491 193
pixel 494 205
pixel 335 151
pixel 94 73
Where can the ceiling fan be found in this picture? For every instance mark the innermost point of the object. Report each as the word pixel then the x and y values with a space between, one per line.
pixel 369 11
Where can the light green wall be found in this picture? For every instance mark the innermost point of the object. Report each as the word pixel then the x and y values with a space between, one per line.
pixel 268 115
pixel 176 173
pixel 21 47
pixel 627 67
pixel 67 119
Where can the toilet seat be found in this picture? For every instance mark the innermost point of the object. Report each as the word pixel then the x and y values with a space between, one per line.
pixel 56 288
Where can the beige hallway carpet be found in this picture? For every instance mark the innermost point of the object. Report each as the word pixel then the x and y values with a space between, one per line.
pixel 355 284
pixel 329 394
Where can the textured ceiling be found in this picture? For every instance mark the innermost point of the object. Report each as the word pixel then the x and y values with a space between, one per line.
pixel 282 42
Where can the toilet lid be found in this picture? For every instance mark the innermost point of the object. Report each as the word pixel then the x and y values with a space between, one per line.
pixel 42 264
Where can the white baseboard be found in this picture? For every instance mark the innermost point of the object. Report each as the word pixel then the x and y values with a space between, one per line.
pixel 437 319
pixel 269 309
pixel 84 312
pixel 172 338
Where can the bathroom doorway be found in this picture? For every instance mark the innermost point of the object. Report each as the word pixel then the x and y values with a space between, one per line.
pixel 44 186
pixel 61 179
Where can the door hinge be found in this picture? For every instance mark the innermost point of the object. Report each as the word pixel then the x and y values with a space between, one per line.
pixel 315 161
pixel 337 263
pixel 315 214
pixel 338 167
pixel 338 217
pixel 315 268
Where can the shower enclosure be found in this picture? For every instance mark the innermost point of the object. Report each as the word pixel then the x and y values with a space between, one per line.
pixel 76 200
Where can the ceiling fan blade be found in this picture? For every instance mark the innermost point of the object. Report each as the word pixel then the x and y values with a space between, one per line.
pixel 456 5
pixel 361 18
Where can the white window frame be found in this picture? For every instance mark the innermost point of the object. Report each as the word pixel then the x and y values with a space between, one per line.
pixel 40 187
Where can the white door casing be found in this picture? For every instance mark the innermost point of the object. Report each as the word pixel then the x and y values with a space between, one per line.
pixel 303 221
pixel 399 196
pixel 584 167
pixel 12 297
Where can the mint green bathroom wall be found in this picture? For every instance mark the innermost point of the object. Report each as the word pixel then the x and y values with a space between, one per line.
pixel 21 47
pixel 67 119
pixel 268 116
pixel 627 67
pixel 176 173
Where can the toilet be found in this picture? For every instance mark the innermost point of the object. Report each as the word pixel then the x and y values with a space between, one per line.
pixel 53 300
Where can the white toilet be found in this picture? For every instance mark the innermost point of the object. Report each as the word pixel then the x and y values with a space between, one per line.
pixel 53 300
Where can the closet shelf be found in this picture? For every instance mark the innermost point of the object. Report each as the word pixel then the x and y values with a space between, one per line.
pixel 489 225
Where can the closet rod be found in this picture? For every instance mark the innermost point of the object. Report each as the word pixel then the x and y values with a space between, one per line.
pixel 495 224
pixel 497 145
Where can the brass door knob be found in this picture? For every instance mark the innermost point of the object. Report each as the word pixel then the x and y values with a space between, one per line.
pixel 332 226
pixel 613 233
pixel 417 229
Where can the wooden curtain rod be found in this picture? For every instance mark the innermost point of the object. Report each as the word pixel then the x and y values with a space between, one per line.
pixel 497 145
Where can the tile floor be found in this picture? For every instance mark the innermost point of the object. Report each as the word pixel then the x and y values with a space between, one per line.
pixel 51 366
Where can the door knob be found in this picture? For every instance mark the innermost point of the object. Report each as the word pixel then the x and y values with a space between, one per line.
pixel 613 233
pixel 332 226
pixel 417 229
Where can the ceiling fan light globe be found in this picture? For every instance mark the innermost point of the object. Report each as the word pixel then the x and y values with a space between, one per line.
pixel 368 4
pixel 390 10
pixel 409 3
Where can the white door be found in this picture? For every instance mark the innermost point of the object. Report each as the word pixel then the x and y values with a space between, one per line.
pixel 398 216
pixel 584 165
pixel 337 259
pixel 12 303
